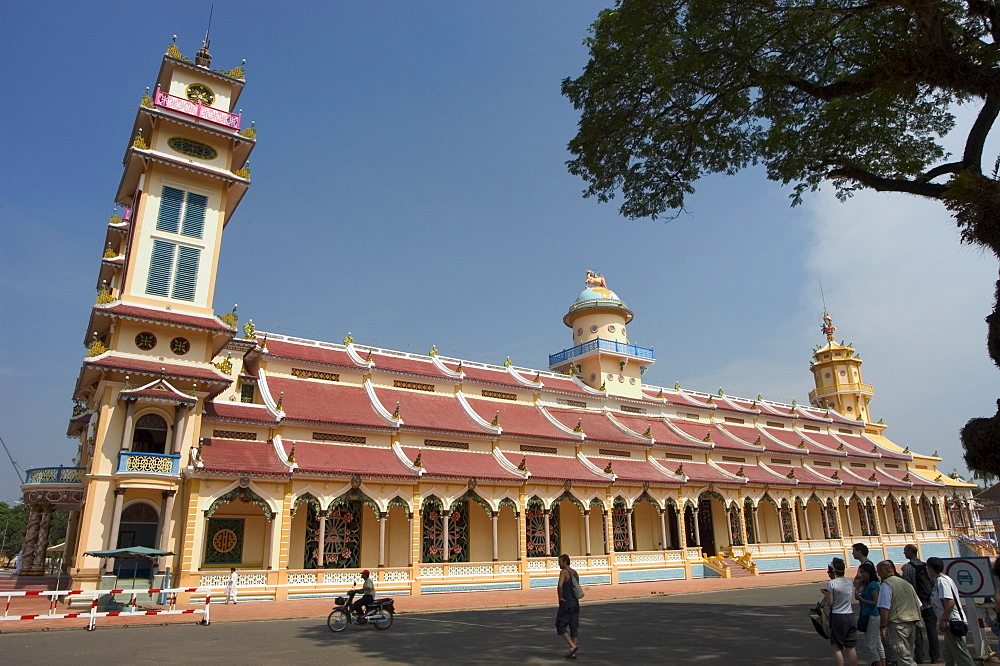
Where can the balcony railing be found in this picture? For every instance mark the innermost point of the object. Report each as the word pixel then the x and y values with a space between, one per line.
pixel 55 475
pixel 603 345
pixel 196 109
pixel 148 463
pixel 833 389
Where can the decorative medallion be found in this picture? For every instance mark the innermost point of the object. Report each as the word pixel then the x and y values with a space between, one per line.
pixel 579 331
pixel 192 148
pixel 244 482
pixel 224 540
pixel 593 376
pixel 472 483
pixel 593 329
pixel 610 376
pixel 631 381
pixel 621 378
pixel 356 481
pixel 180 346
pixel 567 485
pixel 145 341
pixel 200 93
pixel 611 328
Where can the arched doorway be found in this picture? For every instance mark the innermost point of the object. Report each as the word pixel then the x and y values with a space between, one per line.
pixel 572 531
pixel 769 520
pixel 150 434
pixel 138 527
pixel 712 513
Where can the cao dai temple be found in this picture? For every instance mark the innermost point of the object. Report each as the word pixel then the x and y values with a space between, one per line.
pixel 300 462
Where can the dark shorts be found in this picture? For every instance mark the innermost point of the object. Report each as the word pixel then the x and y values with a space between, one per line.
pixel 568 618
pixel 843 628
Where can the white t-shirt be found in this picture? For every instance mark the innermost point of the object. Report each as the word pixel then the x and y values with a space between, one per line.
pixel 843 591
pixel 884 596
pixel 945 588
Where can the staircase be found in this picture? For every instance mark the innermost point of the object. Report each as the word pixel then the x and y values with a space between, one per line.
pixel 736 570
pixel 9 583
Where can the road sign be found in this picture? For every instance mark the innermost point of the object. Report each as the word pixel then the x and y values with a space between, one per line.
pixel 972 575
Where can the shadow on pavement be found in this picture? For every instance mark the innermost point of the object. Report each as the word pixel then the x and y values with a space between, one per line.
pixel 640 632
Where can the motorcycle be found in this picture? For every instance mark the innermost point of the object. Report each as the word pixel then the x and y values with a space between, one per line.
pixel 378 614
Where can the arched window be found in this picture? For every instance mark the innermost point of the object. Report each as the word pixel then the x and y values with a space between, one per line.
pixel 150 434
pixel 138 527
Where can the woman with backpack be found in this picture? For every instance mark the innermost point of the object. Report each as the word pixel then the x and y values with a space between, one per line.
pixel 843 629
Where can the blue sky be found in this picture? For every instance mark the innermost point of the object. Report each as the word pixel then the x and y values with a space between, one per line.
pixel 410 187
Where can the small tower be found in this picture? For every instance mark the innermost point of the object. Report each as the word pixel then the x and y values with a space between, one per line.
pixel 836 370
pixel 602 355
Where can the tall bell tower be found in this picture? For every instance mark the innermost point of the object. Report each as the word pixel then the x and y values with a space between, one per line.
pixel 153 338
pixel 836 369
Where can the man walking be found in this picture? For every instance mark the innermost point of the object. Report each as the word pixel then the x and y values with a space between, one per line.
pixel 568 616
pixel 916 574
pixel 899 611
pixel 947 604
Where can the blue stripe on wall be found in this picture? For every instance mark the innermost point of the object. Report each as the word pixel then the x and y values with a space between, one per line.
pixel 935 549
pixel 650 574
pixel 773 564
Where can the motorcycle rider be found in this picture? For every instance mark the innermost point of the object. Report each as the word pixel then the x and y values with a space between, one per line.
pixel 367 595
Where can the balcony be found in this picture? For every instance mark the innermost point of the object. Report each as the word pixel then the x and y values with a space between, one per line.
pixel 50 475
pixel 601 344
pixel 836 389
pixel 148 463
pixel 196 109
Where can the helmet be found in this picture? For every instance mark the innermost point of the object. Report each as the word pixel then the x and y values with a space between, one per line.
pixel 365 573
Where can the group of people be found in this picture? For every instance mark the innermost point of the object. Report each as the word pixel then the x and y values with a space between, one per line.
pixel 899 616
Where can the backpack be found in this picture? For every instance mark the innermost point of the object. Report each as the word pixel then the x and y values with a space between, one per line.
pixel 577 588
pixel 923 584
pixel 820 619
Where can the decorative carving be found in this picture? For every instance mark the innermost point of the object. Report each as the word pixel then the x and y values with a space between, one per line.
pixel 249 330
pixel 230 318
pixel 226 364
pixel 249 132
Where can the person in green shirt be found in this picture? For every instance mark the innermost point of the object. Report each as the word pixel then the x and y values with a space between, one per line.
pixel 899 612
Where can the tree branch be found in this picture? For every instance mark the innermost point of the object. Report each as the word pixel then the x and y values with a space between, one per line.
pixel 950 167
pixel 973 157
pixel 880 184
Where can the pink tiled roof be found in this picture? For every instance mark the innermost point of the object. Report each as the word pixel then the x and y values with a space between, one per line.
pixel 792 439
pixel 830 443
pixel 428 410
pixel 700 430
pixel 404 364
pixel 857 447
pixel 897 476
pixel 152 368
pixel 463 464
pixel 657 428
pixel 238 411
pixel 230 455
pixel 347 459
pixel 857 477
pixel 555 467
pixel 756 474
pixel 518 419
pixel 311 353
pixel 324 402
pixel 595 425
pixel 750 435
pixel 804 476
pixel 563 384
pixel 491 376
pixel 136 313
pixel 700 472
pixel 628 469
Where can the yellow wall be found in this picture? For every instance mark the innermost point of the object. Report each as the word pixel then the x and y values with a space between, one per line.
pixel 507 534
pixel 571 531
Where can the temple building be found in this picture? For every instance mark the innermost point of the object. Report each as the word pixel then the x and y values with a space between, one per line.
pixel 300 461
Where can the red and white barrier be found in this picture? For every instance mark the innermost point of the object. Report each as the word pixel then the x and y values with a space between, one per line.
pixel 93 614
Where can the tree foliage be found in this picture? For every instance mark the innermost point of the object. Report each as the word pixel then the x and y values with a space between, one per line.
pixel 856 93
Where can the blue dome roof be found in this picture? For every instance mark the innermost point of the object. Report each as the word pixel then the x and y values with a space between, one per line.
pixel 592 293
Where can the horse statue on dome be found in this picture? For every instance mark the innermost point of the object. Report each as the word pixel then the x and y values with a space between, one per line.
pixel 595 279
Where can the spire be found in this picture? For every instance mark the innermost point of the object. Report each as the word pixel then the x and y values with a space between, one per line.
pixel 203 58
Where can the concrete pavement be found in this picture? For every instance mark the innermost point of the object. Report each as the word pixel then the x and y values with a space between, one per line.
pixel 248 611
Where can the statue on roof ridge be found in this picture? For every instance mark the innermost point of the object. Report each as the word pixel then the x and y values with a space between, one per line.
pixel 596 279
pixel 828 328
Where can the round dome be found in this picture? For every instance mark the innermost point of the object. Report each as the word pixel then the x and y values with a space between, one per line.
pixel 592 293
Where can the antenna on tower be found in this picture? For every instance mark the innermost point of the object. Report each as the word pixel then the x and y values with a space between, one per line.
pixel 821 294
pixel 203 58
pixel 207 31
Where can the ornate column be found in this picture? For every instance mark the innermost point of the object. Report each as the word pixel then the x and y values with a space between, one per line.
pixel 445 535
pixel 180 421
pixel 321 538
pixel 921 516
pixel 850 523
pixel 628 528
pixel 43 537
pixel 416 535
pixel 127 432
pixel 586 531
pixel 381 539
pixel 116 517
pixel 30 542
pixel 163 530
pixel 494 516
pixel 609 533
pixel 72 533
pixel 548 540
pixel 681 526
pixel 697 525
pixel 938 521
pixel 663 528
pixel 885 517
pixel 805 521
pixel 741 521
pixel 756 525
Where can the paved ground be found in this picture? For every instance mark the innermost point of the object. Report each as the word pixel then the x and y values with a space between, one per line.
pixel 312 608
pixel 741 626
